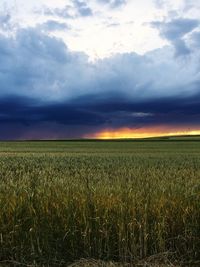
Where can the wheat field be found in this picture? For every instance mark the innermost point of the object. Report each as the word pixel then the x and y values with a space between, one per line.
pixel 122 201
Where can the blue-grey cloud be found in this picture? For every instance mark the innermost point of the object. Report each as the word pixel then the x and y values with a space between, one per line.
pixel 78 8
pixel 39 65
pixel 5 21
pixel 159 3
pixel 53 25
pixel 181 48
pixel 175 30
pixel 34 63
pixel 113 24
pixel 113 3
pixel 82 8
pixel 190 4
pixel 63 13
pixel 7 24
pixel 196 39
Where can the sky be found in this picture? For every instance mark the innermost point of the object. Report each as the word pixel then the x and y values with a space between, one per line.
pixel 99 68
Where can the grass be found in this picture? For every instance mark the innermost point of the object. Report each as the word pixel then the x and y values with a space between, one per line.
pixel 95 263
pixel 119 201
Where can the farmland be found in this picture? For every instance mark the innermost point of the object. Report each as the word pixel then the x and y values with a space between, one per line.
pixel 120 201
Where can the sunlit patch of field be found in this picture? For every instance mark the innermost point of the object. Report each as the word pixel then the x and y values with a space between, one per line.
pixel 109 201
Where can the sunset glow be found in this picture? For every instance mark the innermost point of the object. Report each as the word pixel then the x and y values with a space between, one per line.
pixel 124 133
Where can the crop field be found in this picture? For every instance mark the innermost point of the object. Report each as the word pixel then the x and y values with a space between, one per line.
pixel 119 201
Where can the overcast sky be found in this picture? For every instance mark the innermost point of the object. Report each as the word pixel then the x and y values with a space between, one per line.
pixel 73 68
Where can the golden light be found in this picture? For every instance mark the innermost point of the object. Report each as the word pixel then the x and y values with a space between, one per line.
pixel 159 131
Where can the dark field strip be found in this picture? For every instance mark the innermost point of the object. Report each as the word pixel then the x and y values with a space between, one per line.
pixel 145 146
pixel 111 201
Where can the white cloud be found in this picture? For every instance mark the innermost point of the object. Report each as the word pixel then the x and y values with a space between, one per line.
pixel 89 31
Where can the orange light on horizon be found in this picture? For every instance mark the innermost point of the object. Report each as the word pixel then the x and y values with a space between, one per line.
pixel 126 133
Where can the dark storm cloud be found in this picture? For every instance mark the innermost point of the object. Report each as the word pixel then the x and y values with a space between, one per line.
pixel 122 111
pixel 175 30
pixel 93 113
pixel 29 111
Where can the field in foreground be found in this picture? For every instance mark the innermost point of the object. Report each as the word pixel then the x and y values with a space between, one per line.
pixel 111 201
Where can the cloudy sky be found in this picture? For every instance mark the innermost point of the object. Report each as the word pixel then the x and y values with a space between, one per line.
pixel 99 68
